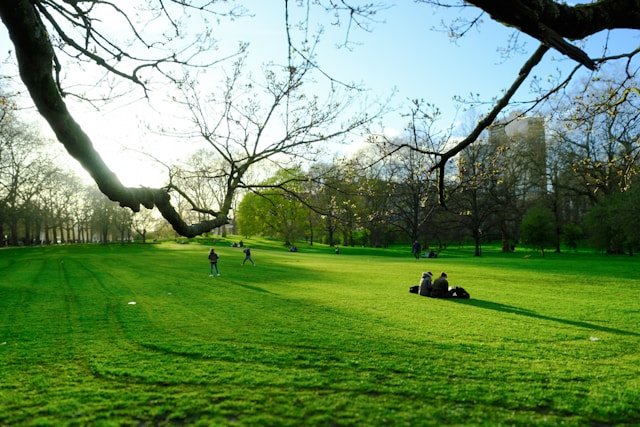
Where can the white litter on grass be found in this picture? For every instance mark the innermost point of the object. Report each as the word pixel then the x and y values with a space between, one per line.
pixel 132 303
pixel 594 339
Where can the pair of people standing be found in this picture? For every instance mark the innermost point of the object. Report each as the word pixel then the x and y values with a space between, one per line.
pixel 214 257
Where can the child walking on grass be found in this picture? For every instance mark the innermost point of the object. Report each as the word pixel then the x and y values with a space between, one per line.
pixel 213 261
pixel 247 257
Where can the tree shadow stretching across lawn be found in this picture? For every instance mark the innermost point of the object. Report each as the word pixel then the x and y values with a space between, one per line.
pixel 255 288
pixel 490 305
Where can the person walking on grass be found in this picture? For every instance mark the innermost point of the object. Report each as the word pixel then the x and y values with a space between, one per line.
pixel 213 261
pixel 415 249
pixel 247 256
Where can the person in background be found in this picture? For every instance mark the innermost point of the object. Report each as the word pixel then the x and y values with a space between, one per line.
pixel 213 261
pixel 247 256
pixel 415 249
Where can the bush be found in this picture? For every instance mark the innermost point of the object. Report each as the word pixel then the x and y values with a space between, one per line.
pixel 571 234
pixel 537 228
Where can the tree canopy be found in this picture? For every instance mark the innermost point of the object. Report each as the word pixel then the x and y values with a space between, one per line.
pixel 44 30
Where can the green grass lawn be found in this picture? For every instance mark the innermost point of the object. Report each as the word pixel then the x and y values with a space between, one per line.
pixel 313 338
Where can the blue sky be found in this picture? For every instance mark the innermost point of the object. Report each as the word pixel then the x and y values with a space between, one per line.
pixel 403 51
pixel 406 51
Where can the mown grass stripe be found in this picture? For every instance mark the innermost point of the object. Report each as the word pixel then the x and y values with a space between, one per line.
pixel 315 339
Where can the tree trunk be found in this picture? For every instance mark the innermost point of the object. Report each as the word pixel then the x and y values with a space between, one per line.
pixel 330 239
pixel 27 231
pixel 311 233
pixel 47 239
pixel 14 232
pixel 476 240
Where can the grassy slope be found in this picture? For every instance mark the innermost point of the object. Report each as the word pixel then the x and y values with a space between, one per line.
pixel 315 338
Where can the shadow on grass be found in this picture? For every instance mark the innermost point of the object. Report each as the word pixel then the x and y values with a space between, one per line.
pixel 255 288
pixel 490 305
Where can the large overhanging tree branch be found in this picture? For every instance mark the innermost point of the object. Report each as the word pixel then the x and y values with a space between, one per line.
pixel 552 23
pixel 488 119
pixel 484 123
pixel 43 29
pixel 35 56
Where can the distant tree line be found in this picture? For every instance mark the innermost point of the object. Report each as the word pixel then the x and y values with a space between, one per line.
pixel 44 203
pixel 562 180
pixel 61 46
pixel 565 179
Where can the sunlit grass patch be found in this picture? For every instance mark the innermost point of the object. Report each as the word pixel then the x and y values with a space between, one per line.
pixel 315 338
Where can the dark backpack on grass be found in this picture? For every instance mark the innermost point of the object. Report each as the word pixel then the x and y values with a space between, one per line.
pixel 459 292
pixel 414 289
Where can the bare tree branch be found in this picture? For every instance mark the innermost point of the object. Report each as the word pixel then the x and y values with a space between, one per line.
pixel 490 117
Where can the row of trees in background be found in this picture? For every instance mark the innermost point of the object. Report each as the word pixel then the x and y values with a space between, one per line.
pixel 42 202
pixel 105 47
pixel 248 123
pixel 566 179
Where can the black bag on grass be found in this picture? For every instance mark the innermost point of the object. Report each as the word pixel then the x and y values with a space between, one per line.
pixel 458 292
pixel 414 289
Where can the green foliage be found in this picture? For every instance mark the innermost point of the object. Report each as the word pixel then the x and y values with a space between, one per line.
pixel 248 216
pixel 274 212
pixel 571 234
pixel 628 216
pixel 313 338
pixel 537 228
pixel 614 224
pixel 604 233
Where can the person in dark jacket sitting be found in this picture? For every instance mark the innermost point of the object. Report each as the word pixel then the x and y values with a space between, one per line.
pixel 441 286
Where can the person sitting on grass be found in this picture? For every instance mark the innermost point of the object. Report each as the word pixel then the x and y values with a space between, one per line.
pixel 441 287
pixel 425 284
